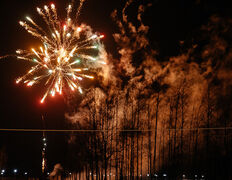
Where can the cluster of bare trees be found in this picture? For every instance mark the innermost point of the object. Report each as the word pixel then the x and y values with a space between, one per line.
pixel 153 117
pixel 132 136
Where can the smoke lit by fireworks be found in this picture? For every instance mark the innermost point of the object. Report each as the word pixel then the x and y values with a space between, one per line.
pixel 69 52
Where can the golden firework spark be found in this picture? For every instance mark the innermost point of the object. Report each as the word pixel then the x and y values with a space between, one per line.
pixel 68 53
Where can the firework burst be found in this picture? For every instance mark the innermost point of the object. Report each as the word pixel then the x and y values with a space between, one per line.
pixel 69 52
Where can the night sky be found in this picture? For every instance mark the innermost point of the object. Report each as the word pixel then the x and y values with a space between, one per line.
pixel 170 22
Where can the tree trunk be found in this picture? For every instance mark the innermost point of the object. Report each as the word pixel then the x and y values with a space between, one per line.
pixel 175 125
pixel 156 123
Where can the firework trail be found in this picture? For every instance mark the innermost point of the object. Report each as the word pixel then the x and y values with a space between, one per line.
pixel 69 52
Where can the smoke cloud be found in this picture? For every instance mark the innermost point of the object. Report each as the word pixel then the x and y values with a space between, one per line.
pixel 166 102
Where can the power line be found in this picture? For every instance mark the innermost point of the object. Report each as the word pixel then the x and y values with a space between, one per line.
pixel 122 130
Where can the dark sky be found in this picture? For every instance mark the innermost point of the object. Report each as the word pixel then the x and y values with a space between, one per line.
pixel 170 22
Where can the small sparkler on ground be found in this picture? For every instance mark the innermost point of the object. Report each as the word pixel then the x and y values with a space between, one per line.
pixel 69 52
